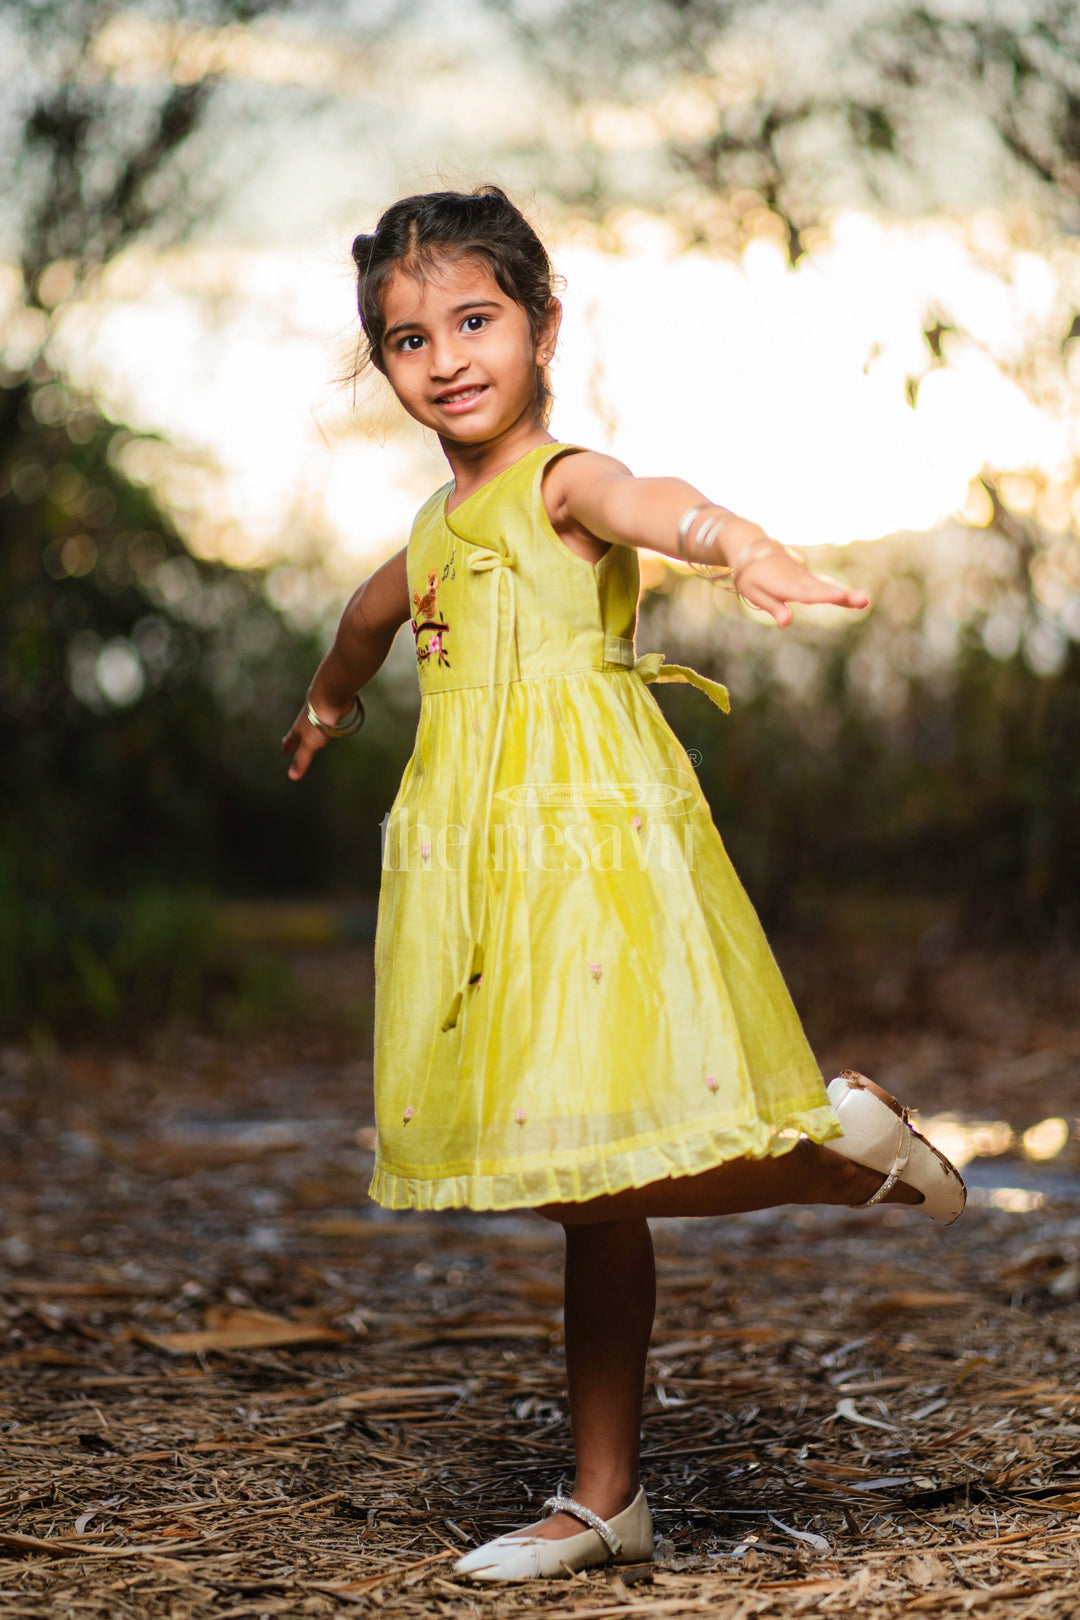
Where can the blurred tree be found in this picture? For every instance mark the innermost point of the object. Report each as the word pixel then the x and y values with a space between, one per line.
pixel 778 111
pixel 940 754
pixel 927 753
pixel 96 162
pixel 143 690
pixel 130 671
pixel 143 694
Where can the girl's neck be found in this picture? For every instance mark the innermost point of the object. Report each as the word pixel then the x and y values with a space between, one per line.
pixel 474 465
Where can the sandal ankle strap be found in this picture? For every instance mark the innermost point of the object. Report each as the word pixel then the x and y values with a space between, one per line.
pixel 566 1504
pixel 897 1168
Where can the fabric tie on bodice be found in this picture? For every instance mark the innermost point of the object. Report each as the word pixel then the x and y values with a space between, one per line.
pixel 651 667
pixel 482 559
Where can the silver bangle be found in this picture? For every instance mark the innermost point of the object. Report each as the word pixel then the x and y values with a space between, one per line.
pixel 346 727
pixel 711 531
pixel 707 537
pixel 686 523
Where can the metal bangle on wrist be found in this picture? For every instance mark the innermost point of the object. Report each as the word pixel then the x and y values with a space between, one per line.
pixel 755 549
pixel 686 523
pixel 348 726
pixel 707 536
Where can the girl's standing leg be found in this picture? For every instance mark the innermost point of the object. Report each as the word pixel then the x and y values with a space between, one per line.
pixel 610 1299
pixel 610 1293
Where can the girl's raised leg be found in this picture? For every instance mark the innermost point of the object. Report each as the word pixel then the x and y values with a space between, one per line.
pixel 808 1174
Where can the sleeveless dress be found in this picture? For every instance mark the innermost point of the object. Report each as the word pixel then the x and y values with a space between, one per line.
pixel 573 993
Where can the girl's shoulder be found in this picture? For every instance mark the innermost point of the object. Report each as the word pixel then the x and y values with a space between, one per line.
pixel 550 471
pixel 574 462
pixel 572 474
pixel 434 506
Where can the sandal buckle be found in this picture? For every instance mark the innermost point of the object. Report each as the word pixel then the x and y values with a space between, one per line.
pixel 897 1168
pixel 566 1504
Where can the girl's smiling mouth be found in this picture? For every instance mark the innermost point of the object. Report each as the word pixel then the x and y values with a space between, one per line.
pixel 460 399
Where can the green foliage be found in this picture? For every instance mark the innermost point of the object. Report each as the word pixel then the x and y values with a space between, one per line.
pixel 79 965
pixel 899 757
pixel 144 691
pixel 143 696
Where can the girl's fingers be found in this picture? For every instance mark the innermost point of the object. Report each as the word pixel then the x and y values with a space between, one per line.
pixel 822 589
pixel 765 602
pixel 295 734
pixel 302 742
pixel 303 757
pixel 780 581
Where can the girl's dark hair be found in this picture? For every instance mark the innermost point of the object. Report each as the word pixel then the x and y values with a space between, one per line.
pixel 417 231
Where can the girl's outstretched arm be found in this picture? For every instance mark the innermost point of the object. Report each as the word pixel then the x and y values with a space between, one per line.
pixel 593 494
pixel 370 622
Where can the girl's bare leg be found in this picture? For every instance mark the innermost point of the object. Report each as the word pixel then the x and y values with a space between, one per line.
pixel 808 1174
pixel 610 1295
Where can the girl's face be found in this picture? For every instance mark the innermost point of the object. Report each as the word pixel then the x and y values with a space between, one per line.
pixel 459 353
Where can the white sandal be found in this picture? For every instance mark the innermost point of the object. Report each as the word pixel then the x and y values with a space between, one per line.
pixel 879 1134
pixel 626 1538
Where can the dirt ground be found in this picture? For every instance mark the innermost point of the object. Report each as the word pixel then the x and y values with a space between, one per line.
pixel 231 1387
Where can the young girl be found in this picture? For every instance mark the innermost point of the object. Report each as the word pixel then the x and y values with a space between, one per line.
pixel 576 1009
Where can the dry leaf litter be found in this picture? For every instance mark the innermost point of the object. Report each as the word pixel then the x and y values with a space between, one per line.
pixel 231 1387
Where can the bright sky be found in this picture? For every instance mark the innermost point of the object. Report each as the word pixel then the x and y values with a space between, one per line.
pixel 779 392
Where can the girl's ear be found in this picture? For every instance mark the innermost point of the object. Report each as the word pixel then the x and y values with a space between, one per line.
pixel 545 345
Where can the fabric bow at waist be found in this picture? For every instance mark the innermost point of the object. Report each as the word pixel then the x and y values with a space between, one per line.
pixel 651 667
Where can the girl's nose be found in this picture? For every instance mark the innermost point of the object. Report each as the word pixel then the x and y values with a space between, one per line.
pixel 447 356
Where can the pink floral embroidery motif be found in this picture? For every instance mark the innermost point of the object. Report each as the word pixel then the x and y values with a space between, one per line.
pixel 425 850
pixel 520 1116
pixel 425 619
pixel 635 821
pixel 595 969
pixel 408 1115
pixel 711 1081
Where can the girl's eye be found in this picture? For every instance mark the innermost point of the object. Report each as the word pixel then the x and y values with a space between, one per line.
pixel 475 323
pixel 411 343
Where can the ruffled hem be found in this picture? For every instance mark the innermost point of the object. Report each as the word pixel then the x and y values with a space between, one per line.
pixel 576 1182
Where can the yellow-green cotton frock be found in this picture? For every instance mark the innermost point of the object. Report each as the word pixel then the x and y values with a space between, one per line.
pixel 573 993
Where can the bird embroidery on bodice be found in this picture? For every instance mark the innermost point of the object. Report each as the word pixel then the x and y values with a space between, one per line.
pixel 426 620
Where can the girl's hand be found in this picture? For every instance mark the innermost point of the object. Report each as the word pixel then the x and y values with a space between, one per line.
pixel 774 579
pixel 303 741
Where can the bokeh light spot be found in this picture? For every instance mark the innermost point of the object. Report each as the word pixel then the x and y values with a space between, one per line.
pixel 1046 1139
pixel 119 673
